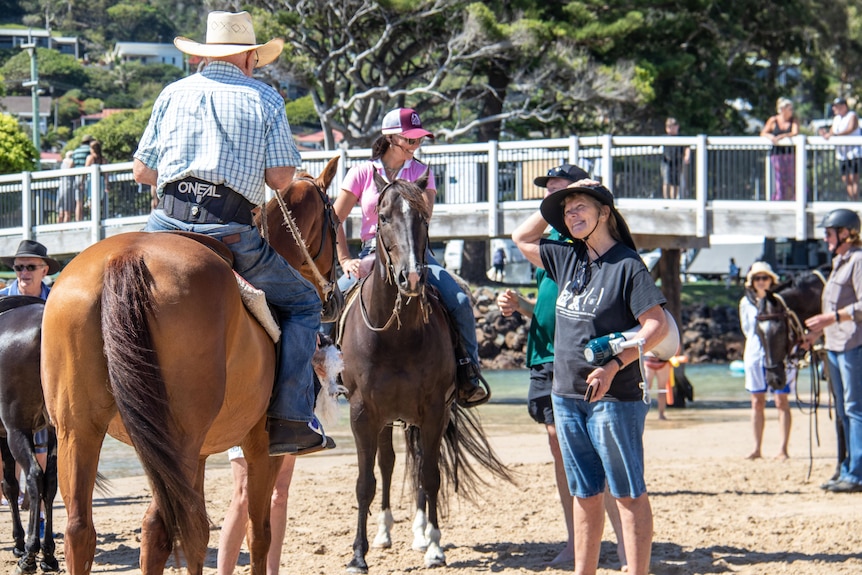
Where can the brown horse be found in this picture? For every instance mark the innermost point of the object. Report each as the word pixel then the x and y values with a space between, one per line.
pixel 400 366
pixel 145 337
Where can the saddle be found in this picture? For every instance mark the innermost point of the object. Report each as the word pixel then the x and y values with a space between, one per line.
pixel 8 302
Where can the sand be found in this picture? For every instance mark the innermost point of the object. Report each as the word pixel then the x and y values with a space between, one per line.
pixel 715 511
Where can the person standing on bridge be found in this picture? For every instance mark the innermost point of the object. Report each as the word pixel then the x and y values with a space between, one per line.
pixel 213 140
pixel 845 122
pixel 841 325
pixel 782 126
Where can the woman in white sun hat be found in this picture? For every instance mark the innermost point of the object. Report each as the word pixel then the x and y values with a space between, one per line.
pixel 759 279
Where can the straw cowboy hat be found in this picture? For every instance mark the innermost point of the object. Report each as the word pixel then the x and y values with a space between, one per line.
pixel 760 268
pixel 32 249
pixel 230 33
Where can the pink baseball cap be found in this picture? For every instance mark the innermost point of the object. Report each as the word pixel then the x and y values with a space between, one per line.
pixel 405 122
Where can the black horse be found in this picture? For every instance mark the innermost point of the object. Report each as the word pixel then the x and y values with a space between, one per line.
pixel 781 316
pixel 22 411
pixel 400 366
pixel 780 326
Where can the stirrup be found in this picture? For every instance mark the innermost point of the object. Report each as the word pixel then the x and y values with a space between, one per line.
pixel 472 377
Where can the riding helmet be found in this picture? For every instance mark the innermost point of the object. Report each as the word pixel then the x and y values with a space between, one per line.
pixel 841 218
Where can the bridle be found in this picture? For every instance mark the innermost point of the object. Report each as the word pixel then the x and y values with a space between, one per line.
pixel 329 288
pixel 792 324
pixel 390 277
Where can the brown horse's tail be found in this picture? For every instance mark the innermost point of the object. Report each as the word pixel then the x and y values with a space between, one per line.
pixel 464 452
pixel 142 399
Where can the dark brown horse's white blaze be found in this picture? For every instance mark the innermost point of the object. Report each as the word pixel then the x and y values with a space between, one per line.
pixel 781 316
pixel 22 412
pixel 145 337
pixel 400 366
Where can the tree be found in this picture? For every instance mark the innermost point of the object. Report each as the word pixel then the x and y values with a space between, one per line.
pixel 60 72
pixel 118 133
pixel 17 153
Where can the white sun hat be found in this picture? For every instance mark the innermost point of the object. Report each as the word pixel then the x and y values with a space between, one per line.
pixel 230 33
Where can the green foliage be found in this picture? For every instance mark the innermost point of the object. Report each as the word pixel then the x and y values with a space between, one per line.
pixel 139 22
pixel 118 133
pixel 17 153
pixel 711 294
pixel 301 111
pixel 61 72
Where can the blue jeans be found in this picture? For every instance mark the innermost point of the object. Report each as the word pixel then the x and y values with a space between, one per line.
pixel 845 373
pixel 601 443
pixel 294 298
pixel 456 302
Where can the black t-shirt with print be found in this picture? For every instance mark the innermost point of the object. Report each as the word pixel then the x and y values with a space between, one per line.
pixel 620 289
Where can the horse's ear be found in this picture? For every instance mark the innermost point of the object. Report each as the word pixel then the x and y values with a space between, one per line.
pixel 379 181
pixel 326 177
pixel 422 182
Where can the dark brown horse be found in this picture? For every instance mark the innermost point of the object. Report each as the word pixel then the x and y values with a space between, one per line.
pixel 145 337
pixel 400 366
pixel 22 412
pixel 781 316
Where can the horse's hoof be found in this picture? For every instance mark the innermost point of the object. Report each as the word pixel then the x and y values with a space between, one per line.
pixel 18 552
pixel 49 564
pixel 26 565
pixel 357 566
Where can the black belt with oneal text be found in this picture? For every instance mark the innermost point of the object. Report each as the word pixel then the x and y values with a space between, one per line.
pixel 196 201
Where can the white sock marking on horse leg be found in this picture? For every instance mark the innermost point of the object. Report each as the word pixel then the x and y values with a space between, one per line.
pixel 420 542
pixel 383 540
pixel 434 556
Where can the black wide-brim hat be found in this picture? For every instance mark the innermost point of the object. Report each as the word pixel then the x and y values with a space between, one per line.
pixel 552 208
pixel 32 249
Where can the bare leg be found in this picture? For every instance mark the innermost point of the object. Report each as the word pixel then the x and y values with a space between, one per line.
pixel 782 404
pixel 662 401
pixel 567 555
pixel 278 514
pixel 636 519
pixel 235 520
pixel 616 523
pixel 589 519
pixel 758 403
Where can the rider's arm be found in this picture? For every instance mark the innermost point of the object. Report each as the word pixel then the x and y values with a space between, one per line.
pixel 144 174
pixel 279 177
pixel 343 205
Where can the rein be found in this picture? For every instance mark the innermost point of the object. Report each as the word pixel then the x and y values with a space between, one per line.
pixel 326 287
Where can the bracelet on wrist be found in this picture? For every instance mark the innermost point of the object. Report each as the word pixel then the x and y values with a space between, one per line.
pixel 837 317
pixel 619 361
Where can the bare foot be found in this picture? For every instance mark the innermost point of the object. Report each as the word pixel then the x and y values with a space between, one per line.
pixel 565 557
pixel 782 456
pixel 754 455
pixel 662 417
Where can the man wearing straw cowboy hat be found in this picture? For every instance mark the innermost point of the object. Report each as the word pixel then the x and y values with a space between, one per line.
pixel 213 140
pixel 31 264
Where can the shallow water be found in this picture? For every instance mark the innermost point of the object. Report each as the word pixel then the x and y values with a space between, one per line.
pixel 716 386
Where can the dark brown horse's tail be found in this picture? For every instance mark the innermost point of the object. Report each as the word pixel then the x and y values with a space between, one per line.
pixel 142 399
pixel 465 451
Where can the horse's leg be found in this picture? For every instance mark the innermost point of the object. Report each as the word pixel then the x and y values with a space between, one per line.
pixel 365 432
pixel 24 452
pixel 430 470
pixel 262 470
pixel 49 492
pixel 386 463
pixel 77 464
pixel 10 490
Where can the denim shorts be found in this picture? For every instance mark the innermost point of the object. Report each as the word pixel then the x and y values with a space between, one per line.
pixel 602 443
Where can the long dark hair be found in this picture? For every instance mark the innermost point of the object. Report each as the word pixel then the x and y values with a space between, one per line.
pixel 379 147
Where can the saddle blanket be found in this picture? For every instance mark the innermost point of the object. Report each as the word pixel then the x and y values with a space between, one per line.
pixel 255 302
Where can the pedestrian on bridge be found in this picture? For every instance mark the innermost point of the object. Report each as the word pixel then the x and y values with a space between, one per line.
pixel 779 129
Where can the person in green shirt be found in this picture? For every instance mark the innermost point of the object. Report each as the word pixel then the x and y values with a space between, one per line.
pixel 540 361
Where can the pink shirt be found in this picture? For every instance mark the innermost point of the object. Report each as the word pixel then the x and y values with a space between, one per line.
pixel 359 181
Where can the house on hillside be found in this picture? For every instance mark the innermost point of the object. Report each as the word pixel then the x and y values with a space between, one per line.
pixel 21 107
pixel 13 38
pixel 147 53
pixel 93 118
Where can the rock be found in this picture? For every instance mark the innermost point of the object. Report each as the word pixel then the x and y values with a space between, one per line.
pixel 708 334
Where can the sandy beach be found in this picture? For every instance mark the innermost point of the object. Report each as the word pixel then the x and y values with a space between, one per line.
pixel 715 511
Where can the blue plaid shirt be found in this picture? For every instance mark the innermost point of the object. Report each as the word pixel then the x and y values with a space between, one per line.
pixel 219 126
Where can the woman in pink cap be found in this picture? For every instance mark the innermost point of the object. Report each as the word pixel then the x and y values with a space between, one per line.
pixel 392 157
